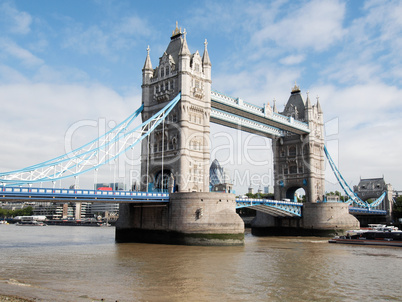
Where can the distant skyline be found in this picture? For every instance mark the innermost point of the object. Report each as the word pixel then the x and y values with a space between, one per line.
pixel 66 68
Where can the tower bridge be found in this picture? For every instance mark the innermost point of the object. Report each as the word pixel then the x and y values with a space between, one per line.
pixel 178 106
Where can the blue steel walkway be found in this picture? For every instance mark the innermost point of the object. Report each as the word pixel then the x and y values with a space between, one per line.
pixel 272 207
pixel 68 195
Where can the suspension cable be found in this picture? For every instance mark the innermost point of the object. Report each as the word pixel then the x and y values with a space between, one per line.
pixel 346 188
pixel 81 160
pixel 163 148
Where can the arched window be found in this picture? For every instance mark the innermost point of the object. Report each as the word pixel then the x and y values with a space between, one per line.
pixel 293 169
pixel 174 142
pixel 292 151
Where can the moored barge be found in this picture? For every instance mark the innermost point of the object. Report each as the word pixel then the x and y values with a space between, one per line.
pixel 375 235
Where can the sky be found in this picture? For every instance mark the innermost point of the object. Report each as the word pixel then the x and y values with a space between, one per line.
pixel 68 67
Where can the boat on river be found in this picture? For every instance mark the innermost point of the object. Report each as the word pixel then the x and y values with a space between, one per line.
pixel 31 223
pixel 374 235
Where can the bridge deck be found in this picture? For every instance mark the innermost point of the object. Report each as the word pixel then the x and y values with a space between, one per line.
pixel 272 207
pixel 67 195
pixel 365 211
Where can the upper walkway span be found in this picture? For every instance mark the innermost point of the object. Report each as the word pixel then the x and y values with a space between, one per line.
pixel 238 114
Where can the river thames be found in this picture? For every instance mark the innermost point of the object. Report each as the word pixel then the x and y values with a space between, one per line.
pixel 61 263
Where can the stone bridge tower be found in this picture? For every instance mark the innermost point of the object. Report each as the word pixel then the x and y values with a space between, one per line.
pixel 176 155
pixel 299 161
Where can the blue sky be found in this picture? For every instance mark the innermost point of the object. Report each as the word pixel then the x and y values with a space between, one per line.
pixel 64 62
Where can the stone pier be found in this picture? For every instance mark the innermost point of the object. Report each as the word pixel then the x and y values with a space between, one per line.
pixel 319 219
pixel 190 218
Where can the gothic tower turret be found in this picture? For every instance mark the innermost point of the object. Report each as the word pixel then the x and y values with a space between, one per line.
pixel 178 150
pixel 299 159
pixel 147 72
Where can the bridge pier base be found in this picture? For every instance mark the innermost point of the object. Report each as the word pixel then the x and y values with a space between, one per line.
pixel 329 217
pixel 319 219
pixel 189 219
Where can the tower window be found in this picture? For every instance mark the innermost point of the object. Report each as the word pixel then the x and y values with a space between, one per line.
pixel 167 70
pixel 292 169
pixel 292 151
pixel 162 72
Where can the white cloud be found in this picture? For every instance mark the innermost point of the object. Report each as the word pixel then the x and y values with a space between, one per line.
pixel 87 41
pixel 11 75
pixel 36 119
pixel 106 38
pixel 371 48
pixel 369 123
pixel 133 25
pixel 260 84
pixel 312 25
pixel 292 59
pixel 17 21
pixel 11 49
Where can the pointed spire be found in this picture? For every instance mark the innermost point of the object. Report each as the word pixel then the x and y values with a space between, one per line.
pixel 295 89
pixel 275 109
pixel 205 56
pixel 308 102
pixel 148 64
pixel 318 105
pixel 176 31
pixel 184 48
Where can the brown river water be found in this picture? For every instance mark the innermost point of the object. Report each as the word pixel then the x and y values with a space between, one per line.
pixel 62 263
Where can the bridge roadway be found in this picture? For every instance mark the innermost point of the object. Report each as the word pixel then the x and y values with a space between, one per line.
pixel 272 207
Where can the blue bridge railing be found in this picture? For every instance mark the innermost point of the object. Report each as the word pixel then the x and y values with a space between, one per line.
pixel 53 195
pixel 272 207
pixel 366 211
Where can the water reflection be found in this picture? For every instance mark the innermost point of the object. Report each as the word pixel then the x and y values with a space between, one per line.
pixel 84 264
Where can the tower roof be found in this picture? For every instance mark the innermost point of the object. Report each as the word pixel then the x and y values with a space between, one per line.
pixel 205 56
pixel 318 105
pixel 295 105
pixel 184 48
pixel 147 64
pixel 295 89
pixel 177 44
pixel 308 102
